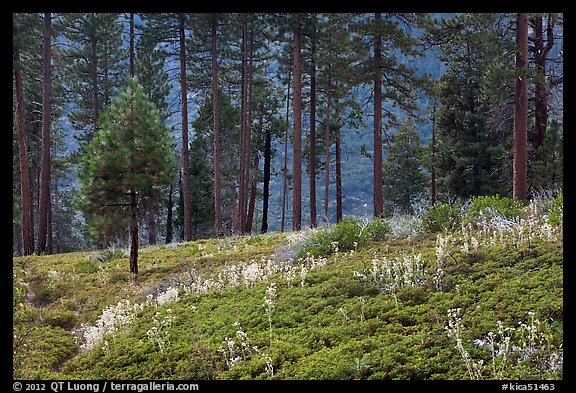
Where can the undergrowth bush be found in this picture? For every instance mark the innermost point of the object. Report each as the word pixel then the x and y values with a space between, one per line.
pixel 507 207
pixel 556 212
pixel 86 266
pixel 64 319
pixel 442 216
pixel 347 235
pixel 376 230
pixel 108 255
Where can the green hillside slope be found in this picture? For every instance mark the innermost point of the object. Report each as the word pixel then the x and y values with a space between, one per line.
pixel 481 300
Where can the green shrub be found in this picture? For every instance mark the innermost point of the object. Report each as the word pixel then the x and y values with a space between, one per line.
pixel 347 235
pixel 119 276
pixel 108 255
pixel 86 266
pixel 442 216
pixel 508 207
pixel 46 294
pixel 252 240
pixel 64 319
pixel 344 236
pixel 318 245
pixel 375 231
pixel 556 214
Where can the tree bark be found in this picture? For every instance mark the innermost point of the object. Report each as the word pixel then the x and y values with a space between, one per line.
pixel 327 144
pixel 185 156
pixel 285 165
pixel 377 180
pixel 242 190
pixel 312 156
pixel 252 202
pixel 181 198
pixel 248 225
pixel 34 197
pixel 44 203
pixel 541 90
pixel 217 170
pixel 49 228
pixel 297 147
pixel 520 109
pixel 338 177
pixel 234 207
pixel 169 227
pixel 253 188
pixel 266 186
pixel 133 233
pixel 27 248
pixel 433 168
pixel 152 234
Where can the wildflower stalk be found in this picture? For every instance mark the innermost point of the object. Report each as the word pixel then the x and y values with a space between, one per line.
pixel 268 305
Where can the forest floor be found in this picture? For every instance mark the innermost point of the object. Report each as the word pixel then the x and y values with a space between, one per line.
pixel 461 304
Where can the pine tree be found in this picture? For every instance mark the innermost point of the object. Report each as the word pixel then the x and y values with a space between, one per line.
pixel 336 78
pixel 385 43
pixel 472 122
pixel 548 171
pixel 297 141
pixel 202 165
pixel 131 153
pixel 544 39
pixel 26 223
pixel 404 179
pixel 44 206
pixel 378 196
pixel 95 69
pixel 217 167
pixel 185 145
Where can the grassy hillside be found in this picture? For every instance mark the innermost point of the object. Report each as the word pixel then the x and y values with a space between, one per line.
pixel 404 298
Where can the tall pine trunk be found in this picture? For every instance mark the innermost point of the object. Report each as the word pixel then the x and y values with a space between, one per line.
pixel 312 155
pixel 297 147
pixel 541 89
pixel 44 203
pixel 169 227
pixel 248 224
pixel 185 156
pixel 266 186
pixel 520 109
pixel 251 202
pixel 152 233
pixel 55 234
pixel 181 198
pixel 49 234
pixel 253 188
pixel 217 170
pixel 133 233
pixel 327 144
pixel 377 180
pixel 285 165
pixel 242 190
pixel 338 160
pixel 27 248
pixel 433 169
pixel 234 207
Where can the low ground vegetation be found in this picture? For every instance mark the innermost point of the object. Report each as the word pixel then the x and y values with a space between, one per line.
pixel 462 291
